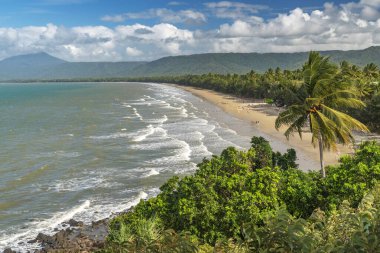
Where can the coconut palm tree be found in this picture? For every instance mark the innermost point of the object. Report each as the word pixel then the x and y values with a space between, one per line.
pixel 320 99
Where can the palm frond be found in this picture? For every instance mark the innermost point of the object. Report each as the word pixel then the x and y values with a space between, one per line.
pixel 344 119
pixel 296 126
pixel 346 103
pixel 291 114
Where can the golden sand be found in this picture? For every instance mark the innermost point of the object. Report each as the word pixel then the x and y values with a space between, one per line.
pixel 262 116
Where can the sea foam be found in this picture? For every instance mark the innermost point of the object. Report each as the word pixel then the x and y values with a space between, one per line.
pixel 109 136
pixel 45 226
pixel 150 173
pixel 143 134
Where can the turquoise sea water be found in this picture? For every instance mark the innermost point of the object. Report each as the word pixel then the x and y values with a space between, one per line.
pixel 87 150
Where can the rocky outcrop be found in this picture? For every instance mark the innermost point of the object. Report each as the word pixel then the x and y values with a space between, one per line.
pixel 77 237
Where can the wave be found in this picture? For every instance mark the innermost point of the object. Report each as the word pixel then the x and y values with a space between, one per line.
pixel 152 172
pixel 17 241
pixel 144 134
pixel 231 131
pixel 157 121
pixel 138 115
pixel 104 210
pixel 184 112
pixel 230 143
pixel 110 136
pixel 192 125
pixel 182 154
pixel 132 203
pixel 160 145
pixel 201 149
pixel 77 184
pixel 86 212
pixel 190 167
pixel 126 105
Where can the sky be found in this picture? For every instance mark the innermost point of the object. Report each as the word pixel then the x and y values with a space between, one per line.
pixel 144 30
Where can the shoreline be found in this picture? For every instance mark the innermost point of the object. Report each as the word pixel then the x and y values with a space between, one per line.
pixel 254 112
pixel 262 116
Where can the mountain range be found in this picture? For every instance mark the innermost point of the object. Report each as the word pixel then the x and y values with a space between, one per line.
pixel 42 66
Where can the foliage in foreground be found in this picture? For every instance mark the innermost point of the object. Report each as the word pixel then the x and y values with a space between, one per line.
pixel 242 201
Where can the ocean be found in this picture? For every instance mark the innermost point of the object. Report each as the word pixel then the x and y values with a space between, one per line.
pixel 89 150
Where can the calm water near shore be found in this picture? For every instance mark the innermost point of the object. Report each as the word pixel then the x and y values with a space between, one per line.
pixel 87 150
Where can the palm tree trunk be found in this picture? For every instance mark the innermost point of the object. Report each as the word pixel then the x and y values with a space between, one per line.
pixel 320 142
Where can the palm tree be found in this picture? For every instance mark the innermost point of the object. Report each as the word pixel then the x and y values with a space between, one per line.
pixel 320 99
pixel 363 81
pixel 371 70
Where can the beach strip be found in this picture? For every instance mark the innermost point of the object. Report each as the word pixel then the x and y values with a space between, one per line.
pixel 262 116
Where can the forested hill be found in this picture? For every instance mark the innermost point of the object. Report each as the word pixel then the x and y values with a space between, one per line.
pixel 44 66
pixel 240 63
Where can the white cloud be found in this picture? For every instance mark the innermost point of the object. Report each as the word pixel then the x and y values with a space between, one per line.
pixel 333 27
pixel 374 3
pixel 114 18
pixel 132 51
pixel 353 25
pixel 97 43
pixel 176 3
pixel 190 17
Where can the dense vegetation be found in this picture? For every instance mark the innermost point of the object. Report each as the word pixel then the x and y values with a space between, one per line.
pixel 257 201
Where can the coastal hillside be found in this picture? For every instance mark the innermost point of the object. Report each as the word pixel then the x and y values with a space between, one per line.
pixel 44 66
pixel 241 63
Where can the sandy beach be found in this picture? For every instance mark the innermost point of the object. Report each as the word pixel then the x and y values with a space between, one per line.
pixel 262 116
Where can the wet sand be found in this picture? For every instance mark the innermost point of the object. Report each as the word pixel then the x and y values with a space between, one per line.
pixel 262 116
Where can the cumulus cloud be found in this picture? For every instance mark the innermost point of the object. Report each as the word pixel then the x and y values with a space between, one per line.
pixel 132 51
pixel 333 27
pixel 189 17
pixel 97 43
pixel 374 3
pixel 348 26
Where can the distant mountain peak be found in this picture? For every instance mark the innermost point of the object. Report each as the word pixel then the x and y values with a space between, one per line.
pixel 39 58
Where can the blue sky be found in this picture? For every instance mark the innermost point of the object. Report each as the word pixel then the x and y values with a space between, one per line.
pixel 120 30
pixel 21 13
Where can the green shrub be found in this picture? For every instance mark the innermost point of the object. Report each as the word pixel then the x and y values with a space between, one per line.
pixel 216 201
pixel 354 176
pixel 256 201
pixel 300 192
